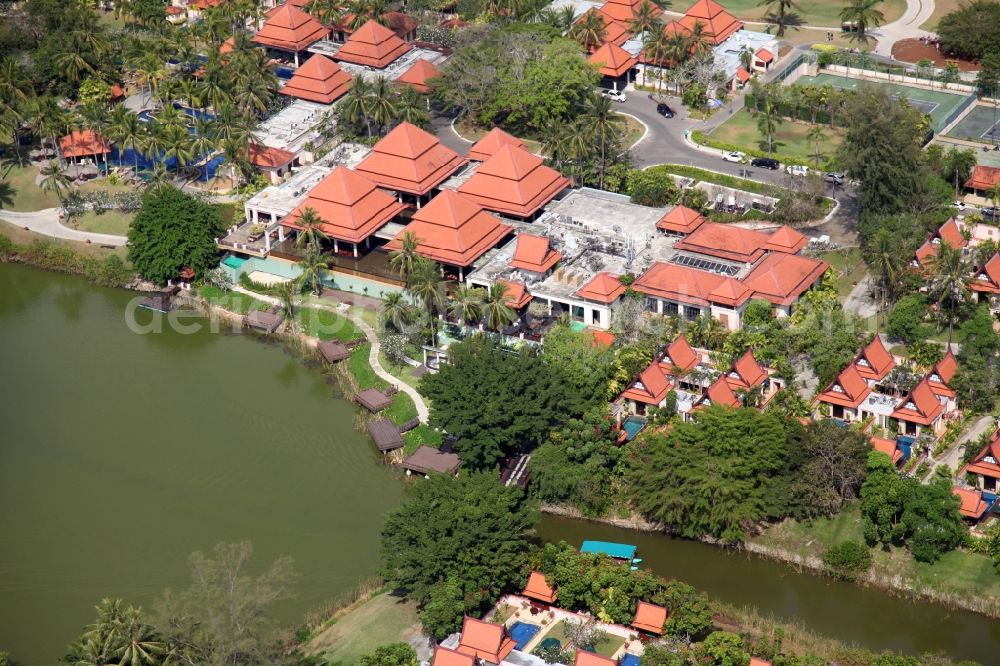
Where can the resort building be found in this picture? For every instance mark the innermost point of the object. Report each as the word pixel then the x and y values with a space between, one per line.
pixel 680 221
pixel 614 64
pixel 891 448
pixel 274 162
pixel 319 80
pixel 584 658
pixel 491 144
pixel 410 162
pixel 650 618
pixel 983 179
pixel 975 504
pixel 717 24
pixel 289 31
pixel 485 641
pixel 418 75
pixel 983 471
pixel 84 146
pixel 951 233
pixel 538 589
pixel 514 182
pixel 624 11
pixel 445 657
pixel 372 45
pixel 985 281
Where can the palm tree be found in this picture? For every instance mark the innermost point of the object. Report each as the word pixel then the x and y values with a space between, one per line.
pixel 354 107
pixel 204 142
pixel 363 10
pixel 498 312
pixel 396 311
pixel 381 104
pixel 657 46
pixel 699 41
pixel 885 263
pixel 235 156
pixel 779 13
pixel 139 643
pixel 746 58
pixel 816 135
pixel 960 163
pixel 466 304
pixel 424 283
pixel 286 292
pixel 767 123
pixel 645 19
pixel 54 180
pixel 44 117
pixel 949 272
pixel 313 265
pixel 95 118
pixel 589 31
pixel 601 124
pixel 311 232
pixel 328 12
pixel 177 144
pixel 864 14
pixel 561 19
pixel 411 107
pixel 406 257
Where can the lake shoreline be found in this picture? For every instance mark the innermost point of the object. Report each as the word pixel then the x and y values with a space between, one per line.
pixel 894 586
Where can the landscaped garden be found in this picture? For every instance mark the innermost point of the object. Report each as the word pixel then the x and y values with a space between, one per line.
pixel 812 12
pixel 791 138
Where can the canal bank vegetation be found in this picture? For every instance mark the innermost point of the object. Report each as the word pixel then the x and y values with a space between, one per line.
pixel 103 267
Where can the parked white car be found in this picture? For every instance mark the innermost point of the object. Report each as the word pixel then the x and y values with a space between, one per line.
pixel 735 156
pixel 958 205
pixel 616 95
pixel 797 170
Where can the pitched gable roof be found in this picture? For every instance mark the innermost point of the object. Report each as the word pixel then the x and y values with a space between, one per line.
pixel 649 618
pixel 746 372
pixel 764 55
pixel 680 354
pixel 514 182
pixel 534 253
pixel 987 461
pixel 650 388
pixel 889 447
pixel 681 220
pixel 848 389
pixel 626 10
pixel 719 24
pixel 874 361
pixel 492 142
pixel 615 32
pixel 973 505
pixel 453 229
pixel 81 143
pixel 679 283
pixel 319 80
pixel 987 279
pixel 419 74
pixel 983 177
pixel 781 278
pixel 718 393
pixel 408 159
pixel 726 241
pixel 730 292
pixel 920 406
pixel 351 207
pixel 612 60
pixel 602 288
pixel 584 658
pixel 290 29
pixel 787 240
pixel 485 640
pixel 373 45
pixel 538 588
pixel 445 657
pixel 267 157
pixel 943 370
pixel 517 295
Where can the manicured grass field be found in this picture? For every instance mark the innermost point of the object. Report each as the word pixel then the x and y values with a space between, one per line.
pixel 232 300
pixel 813 12
pixel 382 620
pixel 941 9
pixel 790 138
pixel 326 325
pixel 27 195
pixel 850 268
pixel 402 408
pixel 109 222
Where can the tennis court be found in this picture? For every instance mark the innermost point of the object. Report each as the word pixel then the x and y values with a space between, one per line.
pixel 981 123
pixel 937 103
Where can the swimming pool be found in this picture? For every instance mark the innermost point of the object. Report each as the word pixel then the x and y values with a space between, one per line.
pixel 522 633
pixel 630 660
pixel 632 425
pixel 233 261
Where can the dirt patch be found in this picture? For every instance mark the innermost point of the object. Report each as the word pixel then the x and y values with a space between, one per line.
pixel 915 49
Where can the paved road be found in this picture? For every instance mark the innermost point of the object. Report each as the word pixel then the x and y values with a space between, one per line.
pixel 46 223
pixel 953 456
pixel 905 27
pixel 859 301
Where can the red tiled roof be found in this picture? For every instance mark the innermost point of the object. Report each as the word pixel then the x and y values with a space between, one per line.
pixel 612 60
pixel 951 234
pixel 602 288
pixel 888 447
pixel 419 73
pixel 227 46
pixel 782 278
pixel 987 279
pixel 625 10
pixel 533 253
pixel 719 393
pixel 679 283
pixel 681 220
pixel 116 91
pixel 408 159
pixel 973 505
pixel 940 375
pixel 874 361
pixel 445 657
pixel 290 29
pixel 727 242
pixel 925 252
pixel 848 389
pixel 517 295
pixel 649 618
pixel 742 74
pixel 651 387
pixel 453 229
pixel 987 461
pixel 983 177
pixel 920 406
pixel 373 45
pixel 269 158
pixel 757 661
pixel 615 32
pixel 671 29
pixel 83 143
pixel 204 4
pixel 172 10
pixel 729 292
pixel 539 588
pixel 787 240
pixel 602 338
pixel 764 55
pixel 319 80
pixel 584 658
pixel 719 24
pixel 351 207
pixel 746 373
pixel 680 354
pixel 490 144
pixel 514 182
pixel 484 640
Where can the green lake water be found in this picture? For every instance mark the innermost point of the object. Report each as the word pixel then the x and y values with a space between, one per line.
pixel 122 453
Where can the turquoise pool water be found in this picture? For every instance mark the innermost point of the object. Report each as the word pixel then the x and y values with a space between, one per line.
pixel 233 261
pixel 632 425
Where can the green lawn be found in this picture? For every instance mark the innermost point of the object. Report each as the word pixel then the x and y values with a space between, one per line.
pixel 326 325
pixel 789 139
pixel 849 266
pixel 27 195
pixel 422 435
pixel 232 301
pixel 633 130
pixel 382 620
pixel 109 222
pixel 813 12
pixel 402 408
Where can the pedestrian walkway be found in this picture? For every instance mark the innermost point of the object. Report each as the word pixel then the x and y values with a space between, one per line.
pixel 953 456
pixel 46 222
pixel 906 26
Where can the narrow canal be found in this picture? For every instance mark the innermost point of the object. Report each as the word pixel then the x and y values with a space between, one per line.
pixel 122 453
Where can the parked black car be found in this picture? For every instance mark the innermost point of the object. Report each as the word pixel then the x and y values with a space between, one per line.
pixel 765 163
pixel 664 110
pixel 990 213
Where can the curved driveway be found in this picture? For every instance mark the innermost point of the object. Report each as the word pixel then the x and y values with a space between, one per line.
pixel 906 26
pixel 46 222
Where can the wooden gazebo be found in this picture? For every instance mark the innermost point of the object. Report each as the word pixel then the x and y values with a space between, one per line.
pixel 333 351
pixel 386 435
pixel 373 400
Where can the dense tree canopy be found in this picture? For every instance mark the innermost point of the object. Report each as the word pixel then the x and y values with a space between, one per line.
pixel 455 544
pixel 496 401
pixel 971 30
pixel 171 231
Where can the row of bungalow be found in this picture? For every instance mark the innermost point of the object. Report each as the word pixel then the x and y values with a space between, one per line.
pixel 984 277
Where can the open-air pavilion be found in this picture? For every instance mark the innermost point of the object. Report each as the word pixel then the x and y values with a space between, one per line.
pixel 83 145
pixel 614 64
pixel 333 351
pixel 418 74
pixel 514 182
pixel 491 143
pixel 290 30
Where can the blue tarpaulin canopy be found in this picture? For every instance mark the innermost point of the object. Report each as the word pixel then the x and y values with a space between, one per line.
pixel 619 551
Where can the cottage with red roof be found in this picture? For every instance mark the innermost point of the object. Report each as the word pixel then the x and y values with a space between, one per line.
pixel 983 179
pixel 485 641
pixel 891 448
pixel 920 411
pixel 274 162
pixel 445 657
pixel 650 618
pixel 950 233
pixel 319 80
pixel 985 466
pixel 373 45
pixel 614 64
pixel 975 504
pixel 843 397
pixel 718 393
pixel 290 30
pixel 538 588
pixel 985 281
